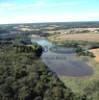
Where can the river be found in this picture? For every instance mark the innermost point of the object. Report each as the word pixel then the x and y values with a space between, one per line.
pixel 63 61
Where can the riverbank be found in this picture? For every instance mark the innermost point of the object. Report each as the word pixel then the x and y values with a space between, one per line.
pixel 63 60
pixel 71 72
pixel 96 53
pixel 87 84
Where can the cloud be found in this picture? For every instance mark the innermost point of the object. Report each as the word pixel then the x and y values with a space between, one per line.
pixel 36 5
pixel 19 13
pixel 14 6
pixel 50 18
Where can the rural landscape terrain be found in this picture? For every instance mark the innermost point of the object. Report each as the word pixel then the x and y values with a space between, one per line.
pixel 49 61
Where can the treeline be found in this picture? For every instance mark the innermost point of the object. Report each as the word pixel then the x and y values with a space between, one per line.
pixel 82 52
pixel 81 47
pixel 24 77
pixel 29 49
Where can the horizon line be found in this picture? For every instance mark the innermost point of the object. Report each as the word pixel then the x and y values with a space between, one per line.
pixel 48 22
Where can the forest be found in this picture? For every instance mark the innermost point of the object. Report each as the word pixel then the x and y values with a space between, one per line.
pixel 24 77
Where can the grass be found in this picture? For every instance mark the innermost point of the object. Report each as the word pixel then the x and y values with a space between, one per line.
pixel 91 37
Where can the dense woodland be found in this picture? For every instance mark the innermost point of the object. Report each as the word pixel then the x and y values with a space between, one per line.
pixel 24 77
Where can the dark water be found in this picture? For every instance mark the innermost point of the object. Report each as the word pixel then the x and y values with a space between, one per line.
pixel 63 61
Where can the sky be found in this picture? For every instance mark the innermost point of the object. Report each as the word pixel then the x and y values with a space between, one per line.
pixel 35 11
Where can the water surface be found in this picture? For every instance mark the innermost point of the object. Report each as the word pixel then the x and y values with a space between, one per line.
pixel 63 61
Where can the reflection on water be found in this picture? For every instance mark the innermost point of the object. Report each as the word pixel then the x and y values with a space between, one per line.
pixel 63 61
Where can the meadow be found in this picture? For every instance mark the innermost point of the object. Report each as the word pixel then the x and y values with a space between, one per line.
pixel 92 37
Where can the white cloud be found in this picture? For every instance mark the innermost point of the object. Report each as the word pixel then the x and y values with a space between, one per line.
pixel 14 6
pixel 44 17
pixel 50 18
pixel 37 4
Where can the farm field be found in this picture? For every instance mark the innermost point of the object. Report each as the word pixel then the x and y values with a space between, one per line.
pixel 92 37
